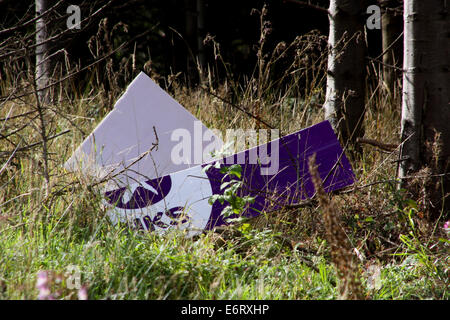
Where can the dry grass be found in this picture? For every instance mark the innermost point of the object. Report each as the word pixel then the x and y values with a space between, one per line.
pixel 48 227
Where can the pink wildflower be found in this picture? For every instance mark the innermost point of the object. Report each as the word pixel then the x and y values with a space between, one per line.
pixel 83 293
pixel 42 279
pixel 42 286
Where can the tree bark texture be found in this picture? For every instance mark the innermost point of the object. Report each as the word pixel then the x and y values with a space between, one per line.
pixel 425 123
pixel 344 105
pixel 42 71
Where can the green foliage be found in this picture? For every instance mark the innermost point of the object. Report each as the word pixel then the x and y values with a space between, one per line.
pixel 418 250
pixel 117 263
pixel 236 203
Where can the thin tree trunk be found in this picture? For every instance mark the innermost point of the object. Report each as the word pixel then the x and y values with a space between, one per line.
pixel 201 32
pixel 425 124
pixel 344 105
pixel 42 63
pixel 392 27
pixel 41 80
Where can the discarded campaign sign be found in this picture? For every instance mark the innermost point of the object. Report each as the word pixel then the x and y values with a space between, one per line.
pixel 180 200
pixel 177 195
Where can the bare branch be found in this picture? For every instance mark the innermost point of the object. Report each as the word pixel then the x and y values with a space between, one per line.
pixel 22 149
pixel 25 24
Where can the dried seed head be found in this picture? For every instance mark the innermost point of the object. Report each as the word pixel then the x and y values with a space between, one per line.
pixel 341 250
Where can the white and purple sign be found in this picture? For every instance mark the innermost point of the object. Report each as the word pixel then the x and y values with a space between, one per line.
pixel 170 187
pixel 180 200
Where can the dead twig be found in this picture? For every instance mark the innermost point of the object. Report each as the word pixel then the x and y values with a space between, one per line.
pixel 109 176
pixel 341 249
pixel 383 146
pixel 238 108
pixel 18 116
pixel 3 153
pixel 80 70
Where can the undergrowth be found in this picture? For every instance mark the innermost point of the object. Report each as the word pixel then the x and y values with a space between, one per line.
pixel 279 255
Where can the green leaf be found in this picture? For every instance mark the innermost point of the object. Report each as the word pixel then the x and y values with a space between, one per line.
pixel 411 204
pixel 214 198
pixel 225 184
pixel 228 211
pixel 235 170
pixel 224 169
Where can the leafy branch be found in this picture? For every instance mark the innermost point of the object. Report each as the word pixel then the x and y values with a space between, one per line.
pixel 230 188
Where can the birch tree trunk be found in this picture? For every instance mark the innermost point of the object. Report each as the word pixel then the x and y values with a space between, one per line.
pixel 41 80
pixel 344 105
pixel 425 123
pixel 42 72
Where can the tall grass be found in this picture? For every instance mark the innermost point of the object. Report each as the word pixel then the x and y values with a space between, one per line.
pixel 282 255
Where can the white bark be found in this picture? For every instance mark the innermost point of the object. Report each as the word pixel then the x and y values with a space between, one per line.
pixel 42 72
pixel 426 82
pixel 344 105
pixel 425 124
pixel 41 80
